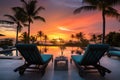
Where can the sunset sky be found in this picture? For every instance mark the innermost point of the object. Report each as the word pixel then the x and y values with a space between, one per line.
pixel 60 20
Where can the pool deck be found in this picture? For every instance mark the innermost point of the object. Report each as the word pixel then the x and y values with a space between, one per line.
pixel 8 65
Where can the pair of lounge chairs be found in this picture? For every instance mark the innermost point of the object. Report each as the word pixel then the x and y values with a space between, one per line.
pixel 32 56
pixel 91 57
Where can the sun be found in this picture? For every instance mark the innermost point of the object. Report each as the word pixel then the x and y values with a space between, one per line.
pixel 58 35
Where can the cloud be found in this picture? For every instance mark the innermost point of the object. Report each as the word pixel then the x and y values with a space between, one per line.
pixel 64 29
pixel 7 29
pixel 68 3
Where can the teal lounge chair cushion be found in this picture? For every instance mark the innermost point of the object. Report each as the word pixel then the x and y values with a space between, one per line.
pixel 77 58
pixel 115 53
pixel 46 57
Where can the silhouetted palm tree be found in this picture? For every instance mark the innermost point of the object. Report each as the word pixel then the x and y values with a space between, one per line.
pixel 40 34
pixel 33 38
pixel 31 11
pixel 94 38
pixel 24 37
pixel 80 36
pixel 103 5
pixel 72 36
pixel 45 38
pixel 99 38
pixel 19 19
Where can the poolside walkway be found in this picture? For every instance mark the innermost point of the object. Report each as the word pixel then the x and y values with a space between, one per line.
pixel 7 66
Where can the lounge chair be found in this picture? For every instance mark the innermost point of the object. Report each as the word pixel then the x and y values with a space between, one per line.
pixel 32 56
pixel 113 52
pixel 91 57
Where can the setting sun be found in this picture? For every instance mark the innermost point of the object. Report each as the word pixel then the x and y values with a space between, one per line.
pixel 58 35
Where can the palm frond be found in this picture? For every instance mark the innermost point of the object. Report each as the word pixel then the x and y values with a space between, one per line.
pixel 11 18
pixel 112 12
pixel 38 9
pixel 112 2
pixel 20 14
pixel 39 18
pixel 18 9
pixel 6 21
pixel 24 2
pixel 19 27
pixel 30 8
pixel 91 2
pixel 78 10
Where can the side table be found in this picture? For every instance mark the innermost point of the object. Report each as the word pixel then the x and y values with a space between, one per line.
pixel 61 63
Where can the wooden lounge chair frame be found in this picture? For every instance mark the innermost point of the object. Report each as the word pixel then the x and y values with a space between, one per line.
pixel 32 56
pixel 91 57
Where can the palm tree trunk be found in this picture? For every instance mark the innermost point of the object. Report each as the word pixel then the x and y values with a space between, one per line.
pixel 29 32
pixel 17 35
pixel 17 39
pixel 103 17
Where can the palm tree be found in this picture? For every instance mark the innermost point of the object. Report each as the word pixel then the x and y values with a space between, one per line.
pixel 99 38
pixel 72 36
pixel 105 6
pixel 40 34
pixel 18 18
pixel 94 38
pixel 45 38
pixel 24 37
pixel 33 38
pixel 31 11
pixel 80 36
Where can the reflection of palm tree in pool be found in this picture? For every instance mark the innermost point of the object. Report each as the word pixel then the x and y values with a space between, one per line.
pixel 61 45
pixel 72 36
pixel 33 38
pixel 45 42
pixel 45 49
pixel 62 48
